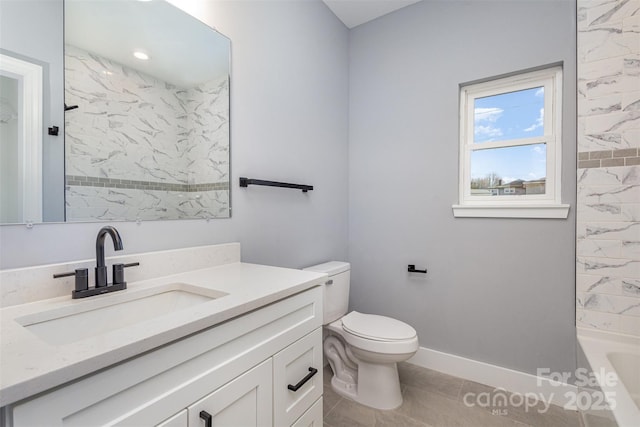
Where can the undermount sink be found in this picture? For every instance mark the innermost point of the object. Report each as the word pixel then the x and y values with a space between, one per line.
pixel 93 317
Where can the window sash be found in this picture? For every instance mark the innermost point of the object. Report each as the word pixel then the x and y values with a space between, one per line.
pixel 551 81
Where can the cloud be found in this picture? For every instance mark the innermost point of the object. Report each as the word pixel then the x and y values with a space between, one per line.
pixel 487 131
pixel 540 92
pixel 538 149
pixel 484 119
pixel 491 114
pixel 538 124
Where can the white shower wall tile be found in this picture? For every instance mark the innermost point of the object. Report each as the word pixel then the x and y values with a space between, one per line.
pixel 630 249
pixel 613 304
pixel 631 65
pixel 587 283
pixel 602 141
pixel 608 203
pixel 613 122
pixel 604 41
pixel 125 128
pixel 609 194
pixel 597 320
pixel 614 267
pixel 631 287
pixel 599 248
pixel 611 230
pixel 631 137
pixel 631 211
pixel 630 101
pixel 122 126
pixel 627 175
pixel 607 11
pixel 603 105
pixel 208 130
pixel 630 325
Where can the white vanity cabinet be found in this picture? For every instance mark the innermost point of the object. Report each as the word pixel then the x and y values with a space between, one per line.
pixel 237 372
pixel 245 401
pixel 178 420
pixel 290 367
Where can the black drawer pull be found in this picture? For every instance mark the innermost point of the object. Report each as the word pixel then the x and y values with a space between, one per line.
pixel 312 372
pixel 207 418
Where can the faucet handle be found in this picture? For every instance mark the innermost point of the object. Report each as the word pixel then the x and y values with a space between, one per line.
pixel 82 278
pixel 118 272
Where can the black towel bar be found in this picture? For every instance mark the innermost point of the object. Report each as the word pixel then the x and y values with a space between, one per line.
pixel 245 182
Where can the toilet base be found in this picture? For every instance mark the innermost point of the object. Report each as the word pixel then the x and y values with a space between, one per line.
pixel 378 386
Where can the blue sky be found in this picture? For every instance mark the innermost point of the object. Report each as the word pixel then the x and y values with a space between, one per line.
pixel 510 116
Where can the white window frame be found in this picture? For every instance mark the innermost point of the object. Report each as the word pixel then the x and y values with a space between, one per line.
pixel 546 205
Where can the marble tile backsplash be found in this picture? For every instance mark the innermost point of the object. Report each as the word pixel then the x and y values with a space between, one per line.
pixel 131 126
pixel 608 208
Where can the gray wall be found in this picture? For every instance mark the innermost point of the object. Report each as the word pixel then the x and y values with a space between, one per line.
pixel 33 28
pixel 289 122
pixel 498 290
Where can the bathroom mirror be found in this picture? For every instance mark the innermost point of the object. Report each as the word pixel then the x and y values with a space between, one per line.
pixel 31 101
pixel 146 114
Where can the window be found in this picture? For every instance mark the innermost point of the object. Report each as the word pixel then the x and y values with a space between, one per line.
pixel 510 147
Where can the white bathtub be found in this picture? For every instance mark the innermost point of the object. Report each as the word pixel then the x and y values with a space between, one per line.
pixel 620 354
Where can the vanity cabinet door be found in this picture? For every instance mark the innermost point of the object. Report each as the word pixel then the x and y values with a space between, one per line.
pixel 245 401
pixel 292 366
pixel 178 420
pixel 311 418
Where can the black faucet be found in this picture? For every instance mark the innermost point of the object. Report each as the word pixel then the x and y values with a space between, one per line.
pixel 82 288
pixel 101 268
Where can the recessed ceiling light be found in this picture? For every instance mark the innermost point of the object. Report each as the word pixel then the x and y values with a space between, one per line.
pixel 141 55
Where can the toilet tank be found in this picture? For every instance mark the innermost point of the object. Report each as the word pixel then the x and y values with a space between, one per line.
pixel 335 290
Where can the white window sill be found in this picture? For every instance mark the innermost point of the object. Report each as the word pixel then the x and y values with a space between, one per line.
pixel 511 211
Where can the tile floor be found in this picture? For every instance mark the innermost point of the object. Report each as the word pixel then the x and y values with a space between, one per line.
pixel 435 399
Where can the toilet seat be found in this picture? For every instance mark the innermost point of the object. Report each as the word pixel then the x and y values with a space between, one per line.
pixel 376 344
pixel 377 328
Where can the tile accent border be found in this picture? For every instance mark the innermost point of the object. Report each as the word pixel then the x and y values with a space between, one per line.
pixel 92 181
pixel 608 158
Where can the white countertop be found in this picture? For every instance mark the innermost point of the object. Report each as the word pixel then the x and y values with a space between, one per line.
pixel 29 365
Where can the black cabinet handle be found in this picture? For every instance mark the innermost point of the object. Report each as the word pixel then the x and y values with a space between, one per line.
pixel 312 372
pixel 207 418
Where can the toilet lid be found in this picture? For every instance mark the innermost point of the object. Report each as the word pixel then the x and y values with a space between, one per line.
pixel 379 328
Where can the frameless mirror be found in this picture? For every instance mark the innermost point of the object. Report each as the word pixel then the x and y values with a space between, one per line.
pixel 146 115
pixel 31 102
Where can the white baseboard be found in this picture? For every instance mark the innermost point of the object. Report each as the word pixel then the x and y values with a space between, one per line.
pixel 495 376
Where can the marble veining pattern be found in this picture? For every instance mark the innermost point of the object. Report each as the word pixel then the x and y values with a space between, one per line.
pixel 132 126
pixel 608 206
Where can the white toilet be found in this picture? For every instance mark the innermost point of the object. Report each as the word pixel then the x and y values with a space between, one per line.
pixel 362 349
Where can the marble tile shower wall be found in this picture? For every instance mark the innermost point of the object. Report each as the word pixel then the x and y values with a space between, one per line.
pixel 125 156
pixel 608 208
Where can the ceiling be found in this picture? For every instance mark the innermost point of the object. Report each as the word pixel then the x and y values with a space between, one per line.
pixel 183 51
pixel 355 12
